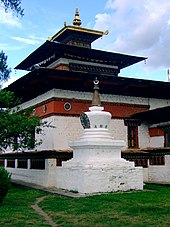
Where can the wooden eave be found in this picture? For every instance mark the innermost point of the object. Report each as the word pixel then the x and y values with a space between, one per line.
pixel 76 30
pixel 146 152
pixel 68 154
pixel 38 154
pixel 42 80
pixel 55 50
pixel 154 116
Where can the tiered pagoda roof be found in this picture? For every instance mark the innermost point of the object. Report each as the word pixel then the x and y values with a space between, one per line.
pixel 51 51
pixel 42 80
pixel 66 61
pixel 70 49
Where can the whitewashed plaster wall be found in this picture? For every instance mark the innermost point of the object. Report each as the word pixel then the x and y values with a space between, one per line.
pixel 144 138
pixel 47 177
pixel 118 130
pixel 145 175
pixel 64 129
pixel 69 128
pixel 160 174
pixel 154 103
pixel 43 177
pixel 157 141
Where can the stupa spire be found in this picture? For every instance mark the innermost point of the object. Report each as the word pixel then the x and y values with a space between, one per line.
pixel 77 20
pixel 96 96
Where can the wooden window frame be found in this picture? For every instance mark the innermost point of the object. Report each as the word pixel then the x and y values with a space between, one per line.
pixel 133 141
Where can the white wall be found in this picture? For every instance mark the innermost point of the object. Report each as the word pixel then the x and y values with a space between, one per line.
pixel 155 103
pixel 144 138
pixel 118 130
pixel 69 128
pixel 58 93
pixel 35 176
pixel 157 141
pixel 160 174
pixel 65 129
pixel 47 177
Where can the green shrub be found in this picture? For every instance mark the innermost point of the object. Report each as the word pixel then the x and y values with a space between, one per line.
pixel 5 181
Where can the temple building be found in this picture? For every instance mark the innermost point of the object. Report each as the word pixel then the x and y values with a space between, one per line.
pixel 59 84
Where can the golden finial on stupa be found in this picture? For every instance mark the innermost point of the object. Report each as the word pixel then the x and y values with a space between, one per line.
pixel 77 20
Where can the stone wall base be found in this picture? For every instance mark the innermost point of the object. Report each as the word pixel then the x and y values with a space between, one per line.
pixel 100 178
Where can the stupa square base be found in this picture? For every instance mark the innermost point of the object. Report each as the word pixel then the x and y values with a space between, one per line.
pixel 100 179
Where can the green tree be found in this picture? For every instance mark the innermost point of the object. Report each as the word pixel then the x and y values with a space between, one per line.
pixel 4 69
pixel 13 5
pixel 17 126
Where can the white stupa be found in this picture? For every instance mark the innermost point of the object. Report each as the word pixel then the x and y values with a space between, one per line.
pixel 97 165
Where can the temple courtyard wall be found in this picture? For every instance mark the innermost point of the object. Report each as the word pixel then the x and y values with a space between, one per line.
pixel 46 175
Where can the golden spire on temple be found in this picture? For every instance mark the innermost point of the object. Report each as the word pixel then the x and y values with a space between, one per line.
pixel 77 20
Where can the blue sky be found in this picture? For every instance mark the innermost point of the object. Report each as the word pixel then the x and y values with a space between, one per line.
pixel 139 28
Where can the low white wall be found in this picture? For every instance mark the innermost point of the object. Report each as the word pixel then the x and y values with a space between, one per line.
pixel 145 174
pixel 48 176
pixel 41 177
pixel 160 174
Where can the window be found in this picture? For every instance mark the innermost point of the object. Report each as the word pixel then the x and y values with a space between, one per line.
pixel 37 164
pixel 157 160
pixel 141 162
pixel 133 137
pixel 2 162
pixel 22 163
pixel 167 139
pixel 11 163
pixel 58 162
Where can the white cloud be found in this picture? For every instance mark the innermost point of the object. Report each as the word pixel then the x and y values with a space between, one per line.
pixel 7 18
pixel 10 47
pixel 3 46
pixel 29 41
pixel 138 27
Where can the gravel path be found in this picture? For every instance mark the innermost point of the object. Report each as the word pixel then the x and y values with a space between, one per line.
pixel 41 212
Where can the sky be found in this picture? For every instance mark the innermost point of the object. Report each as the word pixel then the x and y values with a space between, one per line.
pixel 136 27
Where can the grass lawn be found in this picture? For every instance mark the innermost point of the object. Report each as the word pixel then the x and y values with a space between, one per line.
pixel 148 208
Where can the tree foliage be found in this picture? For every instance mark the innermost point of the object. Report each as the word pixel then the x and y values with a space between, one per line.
pixel 4 69
pixel 13 5
pixel 17 126
pixel 5 182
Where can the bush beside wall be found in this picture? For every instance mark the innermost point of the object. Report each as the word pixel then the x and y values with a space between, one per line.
pixel 5 181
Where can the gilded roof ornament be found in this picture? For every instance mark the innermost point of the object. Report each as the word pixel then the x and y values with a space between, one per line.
pixel 106 32
pixel 77 20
